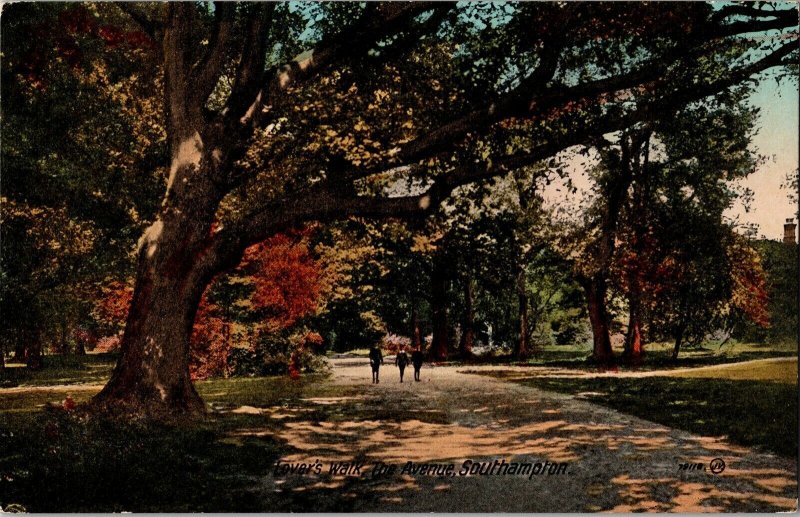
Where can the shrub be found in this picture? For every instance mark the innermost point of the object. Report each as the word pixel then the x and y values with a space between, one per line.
pixel 280 353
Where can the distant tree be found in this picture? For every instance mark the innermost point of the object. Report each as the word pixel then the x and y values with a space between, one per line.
pixel 351 256
pixel 776 264
pixel 80 177
pixel 659 183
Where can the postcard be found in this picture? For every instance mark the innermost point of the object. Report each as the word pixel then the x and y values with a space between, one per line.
pixel 399 257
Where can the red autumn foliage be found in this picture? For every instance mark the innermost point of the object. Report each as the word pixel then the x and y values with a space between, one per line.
pixel 286 278
pixel 313 340
pixel 287 286
pixel 85 336
pixel 64 42
pixel 112 308
pixel 107 344
pixel 210 343
pixel 654 271
pixel 294 365
pixel 69 403
pixel 286 281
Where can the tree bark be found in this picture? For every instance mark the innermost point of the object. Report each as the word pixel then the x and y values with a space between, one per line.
pixel 595 290
pixel 80 347
pixel 639 156
pixel 678 340
pixel 440 340
pixel 33 350
pixel 633 340
pixel 63 344
pixel 416 334
pixel 468 324
pixel 20 347
pixel 175 264
pixel 152 374
pixel 521 349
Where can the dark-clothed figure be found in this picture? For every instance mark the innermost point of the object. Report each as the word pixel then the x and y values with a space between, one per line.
pixel 401 360
pixel 417 360
pixel 375 360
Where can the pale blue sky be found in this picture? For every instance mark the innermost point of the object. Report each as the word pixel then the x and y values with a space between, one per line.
pixel 778 139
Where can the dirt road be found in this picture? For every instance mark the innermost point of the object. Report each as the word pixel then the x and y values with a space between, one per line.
pixel 613 462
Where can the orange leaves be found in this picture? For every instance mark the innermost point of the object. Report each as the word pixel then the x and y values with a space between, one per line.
pixel 112 309
pixel 286 287
pixel 286 279
pixel 210 342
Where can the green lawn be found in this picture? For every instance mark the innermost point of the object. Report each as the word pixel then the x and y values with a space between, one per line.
pixel 751 413
pixel 774 371
pixel 657 356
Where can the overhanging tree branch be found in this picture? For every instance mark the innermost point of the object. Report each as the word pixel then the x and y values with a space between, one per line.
pixel 328 201
pixel 379 20
pixel 245 97
pixel 206 71
pixel 519 103
pixel 152 27
pixel 753 12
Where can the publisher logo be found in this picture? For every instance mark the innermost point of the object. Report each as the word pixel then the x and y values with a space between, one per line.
pixel 717 466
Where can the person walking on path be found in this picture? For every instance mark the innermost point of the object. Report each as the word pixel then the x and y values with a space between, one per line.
pixel 417 359
pixel 401 360
pixel 375 360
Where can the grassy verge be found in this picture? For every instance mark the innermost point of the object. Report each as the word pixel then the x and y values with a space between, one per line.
pixel 657 356
pixel 751 413
pixel 60 369
pixel 774 371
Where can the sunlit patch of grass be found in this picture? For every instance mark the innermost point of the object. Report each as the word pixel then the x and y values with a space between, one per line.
pixel 656 355
pixel 356 352
pixel 751 413
pixel 262 391
pixel 775 371
pixel 34 400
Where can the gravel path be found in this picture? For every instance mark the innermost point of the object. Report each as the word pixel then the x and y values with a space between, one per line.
pixel 613 462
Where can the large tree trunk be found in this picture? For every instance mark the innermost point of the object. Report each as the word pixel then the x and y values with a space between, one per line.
pixel 19 347
pixel 152 374
pixel 175 263
pixel 595 289
pixel 63 342
pixel 176 258
pixel 633 341
pixel 440 340
pixel 80 347
pixel 639 159
pixel 468 325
